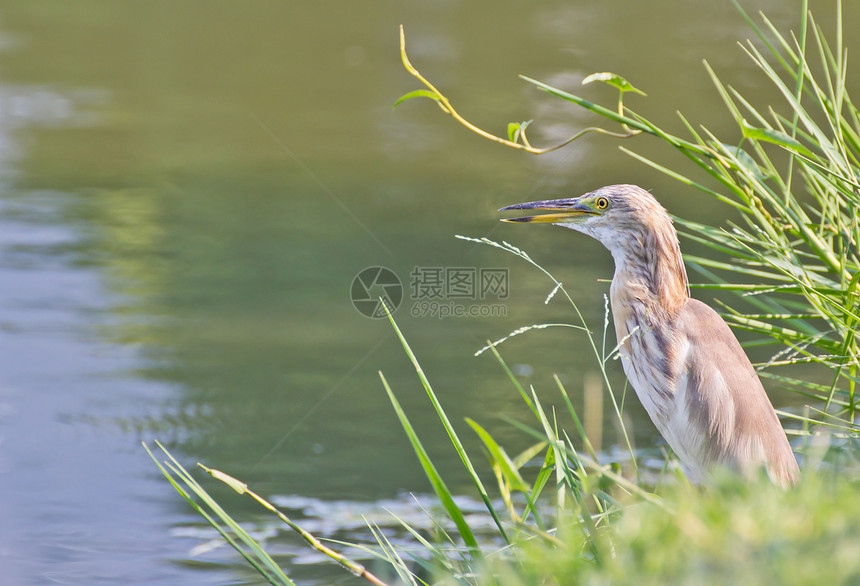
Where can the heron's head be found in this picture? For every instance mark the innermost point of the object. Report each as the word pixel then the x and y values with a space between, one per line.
pixel 635 228
pixel 616 215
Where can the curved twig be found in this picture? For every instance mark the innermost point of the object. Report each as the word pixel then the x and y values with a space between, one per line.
pixel 446 106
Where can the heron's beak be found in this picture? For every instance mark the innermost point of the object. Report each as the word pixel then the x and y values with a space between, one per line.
pixel 567 209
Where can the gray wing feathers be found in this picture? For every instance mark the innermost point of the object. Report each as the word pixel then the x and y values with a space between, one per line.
pixel 725 397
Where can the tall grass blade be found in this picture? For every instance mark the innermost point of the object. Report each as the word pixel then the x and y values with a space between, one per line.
pixel 452 435
pixel 439 486
pixel 237 537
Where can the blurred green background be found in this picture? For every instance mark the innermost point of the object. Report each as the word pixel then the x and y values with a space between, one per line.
pixel 187 191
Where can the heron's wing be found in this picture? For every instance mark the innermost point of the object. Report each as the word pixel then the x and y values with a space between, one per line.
pixel 720 398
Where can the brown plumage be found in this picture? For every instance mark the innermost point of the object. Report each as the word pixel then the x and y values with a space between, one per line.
pixel 685 364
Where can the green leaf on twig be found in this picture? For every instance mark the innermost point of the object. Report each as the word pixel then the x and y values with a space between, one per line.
pixel 614 80
pixel 517 130
pixel 418 94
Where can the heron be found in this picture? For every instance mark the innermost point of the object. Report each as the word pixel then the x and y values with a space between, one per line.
pixel 685 364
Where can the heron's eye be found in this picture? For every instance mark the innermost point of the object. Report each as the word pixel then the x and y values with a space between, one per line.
pixel 601 203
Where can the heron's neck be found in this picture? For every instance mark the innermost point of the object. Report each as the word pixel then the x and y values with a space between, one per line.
pixel 652 271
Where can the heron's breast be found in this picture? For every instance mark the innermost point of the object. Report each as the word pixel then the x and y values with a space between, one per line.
pixel 624 310
pixel 647 356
